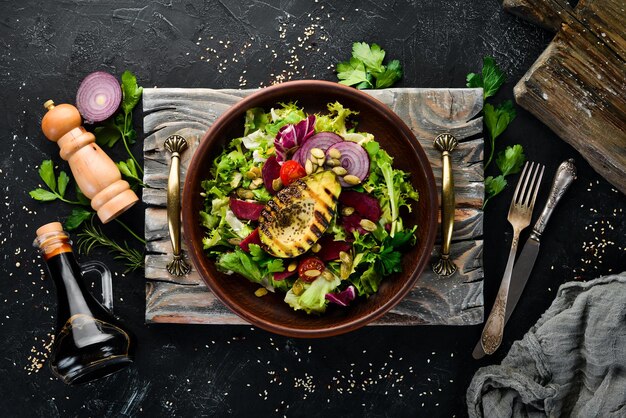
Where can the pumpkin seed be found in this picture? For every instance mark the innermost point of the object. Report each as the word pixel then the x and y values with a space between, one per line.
pixel 308 166
pixel 330 162
pixel 316 247
pixel 351 179
pixel 345 257
pixel 312 273
pixel 234 241
pixel 340 171
pixel 336 162
pixel 317 153
pixel 368 225
pixel 347 211
pixel 292 266
pixel 344 271
pixel 297 288
pixel 334 153
pixel 251 175
pixel 277 184
pixel 328 275
pixel 260 292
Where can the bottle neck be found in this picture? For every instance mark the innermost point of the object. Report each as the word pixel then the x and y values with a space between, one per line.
pixel 53 243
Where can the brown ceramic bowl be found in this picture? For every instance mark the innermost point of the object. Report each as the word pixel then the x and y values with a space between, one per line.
pixel 270 312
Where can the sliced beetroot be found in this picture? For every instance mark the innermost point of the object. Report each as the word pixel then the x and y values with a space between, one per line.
pixel 352 223
pixel 253 238
pixel 284 275
pixel 330 248
pixel 342 298
pixel 245 210
pixel 365 204
pixel 354 159
pixel 270 172
pixel 322 140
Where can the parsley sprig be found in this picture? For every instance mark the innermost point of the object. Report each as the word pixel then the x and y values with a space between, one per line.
pixel 365 70
pixel 497 119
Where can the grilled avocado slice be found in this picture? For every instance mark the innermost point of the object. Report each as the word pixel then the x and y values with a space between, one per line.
pixel 299 214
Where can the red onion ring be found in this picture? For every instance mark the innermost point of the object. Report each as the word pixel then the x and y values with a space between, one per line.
pixel 99 96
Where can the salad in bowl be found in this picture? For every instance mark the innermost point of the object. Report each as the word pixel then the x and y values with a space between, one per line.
pixel 307 205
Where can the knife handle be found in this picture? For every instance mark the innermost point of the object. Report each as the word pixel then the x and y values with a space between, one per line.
pixel 565 175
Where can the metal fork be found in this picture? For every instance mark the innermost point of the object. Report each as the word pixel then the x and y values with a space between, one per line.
pixel 520 212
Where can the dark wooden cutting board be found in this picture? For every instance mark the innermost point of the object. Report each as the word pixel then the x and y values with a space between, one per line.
pixel 577 87
pixel 457 300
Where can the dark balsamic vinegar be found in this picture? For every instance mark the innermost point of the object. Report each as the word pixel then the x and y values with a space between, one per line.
pixel 88 339
pixel 89 342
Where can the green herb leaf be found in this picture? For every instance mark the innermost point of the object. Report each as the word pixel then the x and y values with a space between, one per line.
pixel 493 186
pixel 490 80
pixel 107 136
pixel 42 195
pixel 510 160
pixel 82 199
pixel 497 119
pixel 388 77
pixel 76 218
pixel 131 91
pixel 62 183
pixel 46 172
pixel 372 57
pixel 352 72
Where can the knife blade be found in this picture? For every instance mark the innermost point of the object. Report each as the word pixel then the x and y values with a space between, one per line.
pixel 565 175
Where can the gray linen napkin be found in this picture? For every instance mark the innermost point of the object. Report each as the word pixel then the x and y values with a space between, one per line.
pixel 571 363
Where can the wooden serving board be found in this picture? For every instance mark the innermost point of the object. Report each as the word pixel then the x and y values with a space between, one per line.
pixel 577 87
pixel 456 300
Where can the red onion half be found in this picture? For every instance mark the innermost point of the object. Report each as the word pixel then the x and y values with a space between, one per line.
pixel 99 96
pixel 354 159
pixel 322 140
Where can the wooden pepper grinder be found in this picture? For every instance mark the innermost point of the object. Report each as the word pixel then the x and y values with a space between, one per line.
pixel 95 173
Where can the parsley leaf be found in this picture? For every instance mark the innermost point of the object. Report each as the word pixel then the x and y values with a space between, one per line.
pixel 42 195
pixel 493 186
pixel 46 172
pixel 365 70
pixel 389 76
pixel 62 183
pixel 497 119
pixel 372 57
pixel 491 78
pixel 352 72
pixel 510 160
pixel 76 218
pixel 131 92
pixel 107 135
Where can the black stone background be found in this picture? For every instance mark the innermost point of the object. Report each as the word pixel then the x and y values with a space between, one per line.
pixel 48 47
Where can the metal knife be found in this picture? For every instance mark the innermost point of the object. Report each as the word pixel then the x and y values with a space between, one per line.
pixel 565 175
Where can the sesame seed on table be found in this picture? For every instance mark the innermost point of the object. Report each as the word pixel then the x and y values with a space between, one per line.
pixel 191 370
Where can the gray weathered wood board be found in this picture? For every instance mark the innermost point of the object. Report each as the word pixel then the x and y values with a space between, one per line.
pixel 457 300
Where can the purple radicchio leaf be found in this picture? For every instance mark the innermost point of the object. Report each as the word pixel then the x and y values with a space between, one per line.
pixel 290 137
pixel 342 298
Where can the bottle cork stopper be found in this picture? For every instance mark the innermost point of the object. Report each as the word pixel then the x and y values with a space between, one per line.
pixel 48 228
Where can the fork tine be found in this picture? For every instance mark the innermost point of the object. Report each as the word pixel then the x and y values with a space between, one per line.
pixel 523 190
pixel 519 183
pixel 532 204
pixel 531 186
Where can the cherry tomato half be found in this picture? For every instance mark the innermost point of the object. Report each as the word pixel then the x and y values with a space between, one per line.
pixel 310 269
pixel 291 171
